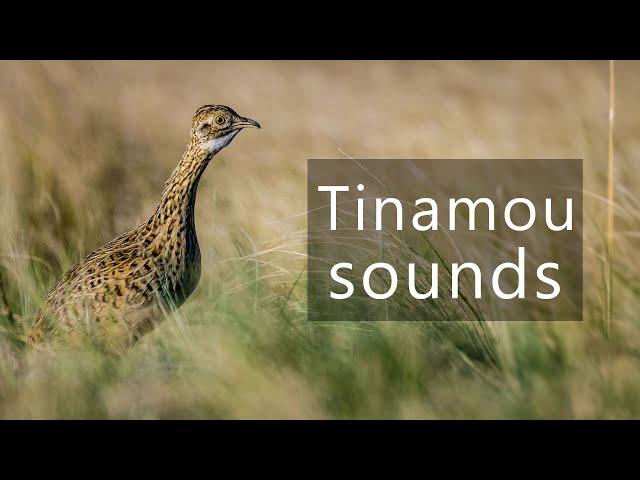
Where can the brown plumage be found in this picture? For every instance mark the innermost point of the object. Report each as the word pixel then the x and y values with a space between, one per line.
pixel 120 291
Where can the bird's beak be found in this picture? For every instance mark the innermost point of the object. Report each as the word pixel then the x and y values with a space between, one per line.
pixel 245 122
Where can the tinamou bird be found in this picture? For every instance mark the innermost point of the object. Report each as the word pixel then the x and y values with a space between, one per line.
pixel 122 290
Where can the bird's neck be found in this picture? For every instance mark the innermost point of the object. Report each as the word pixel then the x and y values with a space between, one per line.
pixel 179 195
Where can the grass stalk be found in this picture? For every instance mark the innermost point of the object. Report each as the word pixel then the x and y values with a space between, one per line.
pixel 610 200
pixel 5 309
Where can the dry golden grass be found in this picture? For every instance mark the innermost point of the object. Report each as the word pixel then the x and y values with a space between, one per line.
pixel 86 146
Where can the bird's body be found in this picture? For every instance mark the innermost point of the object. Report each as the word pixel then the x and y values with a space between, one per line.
pixel 121 290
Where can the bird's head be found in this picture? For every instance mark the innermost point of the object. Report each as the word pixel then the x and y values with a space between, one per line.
pixel 214 126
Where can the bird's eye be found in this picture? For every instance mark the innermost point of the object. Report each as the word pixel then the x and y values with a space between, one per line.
pixel 220 120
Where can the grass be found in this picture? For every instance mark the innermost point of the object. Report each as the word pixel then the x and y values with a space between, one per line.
pixel 610 198
pixel 85 148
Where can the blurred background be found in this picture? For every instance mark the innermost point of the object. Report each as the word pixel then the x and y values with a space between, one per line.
pixel 85 148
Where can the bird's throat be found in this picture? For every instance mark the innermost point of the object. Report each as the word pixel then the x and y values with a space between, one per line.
pixel 216 144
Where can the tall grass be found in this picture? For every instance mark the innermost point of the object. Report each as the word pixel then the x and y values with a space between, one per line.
pixel 610 198
pixel 84 151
